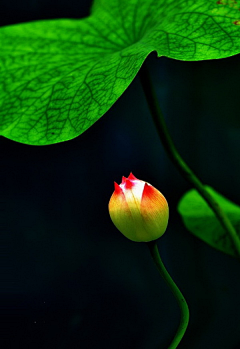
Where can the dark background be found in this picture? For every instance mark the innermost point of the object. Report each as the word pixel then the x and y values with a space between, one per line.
pixel 70 280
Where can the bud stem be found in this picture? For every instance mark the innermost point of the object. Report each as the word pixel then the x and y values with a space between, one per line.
pixel 177 160
pixel 152 245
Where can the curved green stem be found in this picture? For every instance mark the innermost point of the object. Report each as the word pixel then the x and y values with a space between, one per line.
pixel 173 154
pixel 176 292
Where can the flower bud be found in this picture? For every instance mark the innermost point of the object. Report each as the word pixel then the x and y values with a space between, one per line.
pixel 138 210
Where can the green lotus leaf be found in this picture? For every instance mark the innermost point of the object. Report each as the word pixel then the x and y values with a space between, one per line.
pixel 58 77
pixel 200 220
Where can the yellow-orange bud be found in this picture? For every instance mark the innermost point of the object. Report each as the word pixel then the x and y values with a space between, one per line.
pixel 138 210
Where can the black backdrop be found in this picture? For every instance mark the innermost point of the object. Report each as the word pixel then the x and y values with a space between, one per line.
pixel 69 278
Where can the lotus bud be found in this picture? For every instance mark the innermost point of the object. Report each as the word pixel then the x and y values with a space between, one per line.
pixel 138 210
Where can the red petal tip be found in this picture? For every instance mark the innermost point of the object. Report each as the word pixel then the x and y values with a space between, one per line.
pixel 129 184
pixel 118 189
pixel 148 190
pixel 123 179
pixel 131 176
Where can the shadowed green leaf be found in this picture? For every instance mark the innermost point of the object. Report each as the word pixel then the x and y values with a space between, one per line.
pixel 200 220
pixel 58 77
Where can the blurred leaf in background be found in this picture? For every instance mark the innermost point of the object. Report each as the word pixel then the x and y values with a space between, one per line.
pixel 200 220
